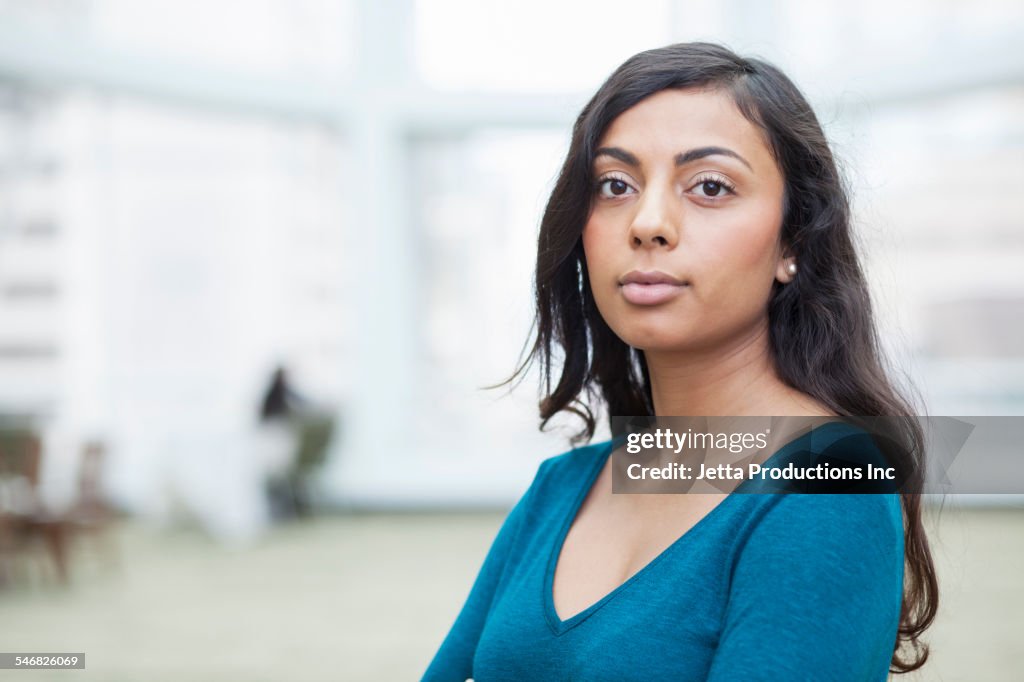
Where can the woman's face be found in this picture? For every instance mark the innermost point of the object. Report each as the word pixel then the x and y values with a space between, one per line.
pixel 682 243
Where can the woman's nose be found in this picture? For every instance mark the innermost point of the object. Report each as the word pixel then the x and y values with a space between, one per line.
pixel 654 223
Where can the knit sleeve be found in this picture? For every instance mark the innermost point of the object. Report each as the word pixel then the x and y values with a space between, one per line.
pixel 453 661
pixel 816 591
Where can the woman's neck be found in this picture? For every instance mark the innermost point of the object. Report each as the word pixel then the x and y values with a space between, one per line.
pixel 731 379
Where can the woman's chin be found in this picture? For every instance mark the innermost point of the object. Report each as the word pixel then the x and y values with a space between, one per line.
pixel 660 341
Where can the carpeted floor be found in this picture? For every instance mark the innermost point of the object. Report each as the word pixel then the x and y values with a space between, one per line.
pixel 370 596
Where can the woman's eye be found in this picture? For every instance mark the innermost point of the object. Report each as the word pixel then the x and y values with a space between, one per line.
pixel 711 187
pixel 613 187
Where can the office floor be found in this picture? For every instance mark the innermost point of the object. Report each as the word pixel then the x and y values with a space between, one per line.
pixel 369 597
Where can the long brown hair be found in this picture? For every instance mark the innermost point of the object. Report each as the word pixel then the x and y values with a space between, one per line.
pixel 823 338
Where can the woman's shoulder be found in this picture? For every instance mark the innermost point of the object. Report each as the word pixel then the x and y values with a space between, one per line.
pixel 808 515
pixel 836 540
pixel 822 517
pixel 570 466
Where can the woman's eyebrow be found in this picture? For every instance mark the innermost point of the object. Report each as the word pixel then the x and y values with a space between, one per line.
pixel 681 159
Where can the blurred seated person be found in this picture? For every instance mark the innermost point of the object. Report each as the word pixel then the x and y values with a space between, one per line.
pixel 294 440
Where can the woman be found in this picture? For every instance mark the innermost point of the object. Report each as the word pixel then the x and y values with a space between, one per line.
pixel 695 258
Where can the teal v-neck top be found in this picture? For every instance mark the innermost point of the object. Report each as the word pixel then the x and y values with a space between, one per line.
pixel 792 586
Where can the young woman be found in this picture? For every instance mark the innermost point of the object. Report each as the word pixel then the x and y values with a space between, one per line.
pixel 695 258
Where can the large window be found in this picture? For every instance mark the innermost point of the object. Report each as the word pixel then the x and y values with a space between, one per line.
pixel 191 191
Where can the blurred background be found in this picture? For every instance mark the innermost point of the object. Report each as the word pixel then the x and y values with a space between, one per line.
pixel 258 258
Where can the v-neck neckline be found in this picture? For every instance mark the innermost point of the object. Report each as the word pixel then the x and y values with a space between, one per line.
pixel 555 622
pixel 559 626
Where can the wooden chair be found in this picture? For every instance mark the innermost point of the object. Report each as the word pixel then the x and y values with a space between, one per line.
pixel 24 521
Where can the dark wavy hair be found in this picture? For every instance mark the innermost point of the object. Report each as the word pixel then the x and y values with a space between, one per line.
pixel 823 338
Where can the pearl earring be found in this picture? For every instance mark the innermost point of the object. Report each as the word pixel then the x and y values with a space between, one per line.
pixel 791 268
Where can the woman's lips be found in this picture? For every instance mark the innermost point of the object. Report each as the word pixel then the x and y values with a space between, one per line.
pixel 650 294
pixel 650 288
